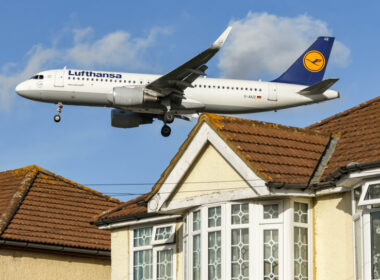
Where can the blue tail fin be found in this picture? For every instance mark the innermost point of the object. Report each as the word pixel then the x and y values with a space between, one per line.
pixel 310 67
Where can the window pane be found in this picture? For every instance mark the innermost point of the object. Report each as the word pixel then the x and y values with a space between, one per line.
pixel 239 214
pixel 214 217
pixel 375 244
pixel 271 254
pixel 197 257
pixel 300 254
pixel 142 236
pixel 163 233
pixel 214 255
pixel 271 211
pixel 300 212
pixel 196 220
pixel 358 249
pixel 373 192
pixel 142 265
pixel 239 254
pixel 165 265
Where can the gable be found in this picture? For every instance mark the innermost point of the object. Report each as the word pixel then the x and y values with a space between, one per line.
pixel 210 173
pixel 203 154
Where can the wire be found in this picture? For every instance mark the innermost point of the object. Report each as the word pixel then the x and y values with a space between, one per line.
pixel 155 183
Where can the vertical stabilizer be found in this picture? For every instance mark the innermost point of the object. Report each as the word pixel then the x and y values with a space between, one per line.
pixel 310 67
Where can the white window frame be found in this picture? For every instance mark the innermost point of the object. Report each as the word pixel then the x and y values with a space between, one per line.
pixel 309 227
pixel 357 216
pixel 154 249
pixel 170 239
pixel 257 224
pixel 365 188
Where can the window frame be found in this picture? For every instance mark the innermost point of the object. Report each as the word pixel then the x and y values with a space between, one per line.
pixel 365 188
pixel 168 240
pixel 154 248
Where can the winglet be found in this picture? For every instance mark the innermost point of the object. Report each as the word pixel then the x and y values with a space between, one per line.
pixel 222 38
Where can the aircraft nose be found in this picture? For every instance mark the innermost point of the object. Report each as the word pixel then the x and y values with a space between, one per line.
pixel 21 89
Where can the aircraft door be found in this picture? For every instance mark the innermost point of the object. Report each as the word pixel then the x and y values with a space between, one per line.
pixel 58 80
pixel 272 92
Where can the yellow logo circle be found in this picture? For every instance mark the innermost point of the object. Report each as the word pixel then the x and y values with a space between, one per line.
pixel 314 61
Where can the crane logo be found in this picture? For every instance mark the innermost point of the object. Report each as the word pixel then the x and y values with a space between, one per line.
pixel 314 61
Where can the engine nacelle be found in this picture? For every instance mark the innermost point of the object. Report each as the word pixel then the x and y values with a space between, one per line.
pixel 130 96
pixel 125 119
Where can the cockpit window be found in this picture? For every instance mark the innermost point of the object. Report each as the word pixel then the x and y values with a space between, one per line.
pixel 37 77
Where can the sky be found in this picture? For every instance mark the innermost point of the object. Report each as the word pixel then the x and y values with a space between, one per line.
pixel 155 37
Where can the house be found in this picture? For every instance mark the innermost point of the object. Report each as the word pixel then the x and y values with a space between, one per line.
pixel 45 230
pixel 244 199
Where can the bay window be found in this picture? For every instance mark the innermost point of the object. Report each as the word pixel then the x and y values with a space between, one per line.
pixel 245 241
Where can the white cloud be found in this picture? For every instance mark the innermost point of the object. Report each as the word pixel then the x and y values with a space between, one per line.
pixel 262 44
pixel 118 48
pixel 114 49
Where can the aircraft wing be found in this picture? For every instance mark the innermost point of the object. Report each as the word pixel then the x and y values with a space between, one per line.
pixel 176 81
pixel 319 88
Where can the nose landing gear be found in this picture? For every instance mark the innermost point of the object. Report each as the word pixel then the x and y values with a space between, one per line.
pixel 166 130
pixel 57 117
pixel 168 118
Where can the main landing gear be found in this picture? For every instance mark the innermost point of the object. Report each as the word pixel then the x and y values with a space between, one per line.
pixel 57 117
pixel 168 118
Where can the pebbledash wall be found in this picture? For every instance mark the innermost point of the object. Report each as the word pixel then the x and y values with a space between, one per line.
pixel 22 264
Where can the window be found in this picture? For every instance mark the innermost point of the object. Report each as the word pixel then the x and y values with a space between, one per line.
pixel 300 240
pixel 370 194
pixel 149 261
pixel 245 240
pixel 163 234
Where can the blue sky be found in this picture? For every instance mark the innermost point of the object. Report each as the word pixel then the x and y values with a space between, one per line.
pixel 155 37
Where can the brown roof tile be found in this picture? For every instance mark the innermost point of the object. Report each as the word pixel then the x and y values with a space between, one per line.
pixel 133 209
pixel 359 132
pixel 275 152
pixel 42 207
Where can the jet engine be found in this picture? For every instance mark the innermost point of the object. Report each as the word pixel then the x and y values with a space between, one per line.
pixel 130 96
pixel 126 119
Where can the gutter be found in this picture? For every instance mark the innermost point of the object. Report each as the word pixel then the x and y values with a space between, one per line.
pixel 142 221
pixel 104 253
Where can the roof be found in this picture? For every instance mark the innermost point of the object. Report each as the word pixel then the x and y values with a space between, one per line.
pixel 41 207
pixel 276 153
pixel 359 132
pixel 131 210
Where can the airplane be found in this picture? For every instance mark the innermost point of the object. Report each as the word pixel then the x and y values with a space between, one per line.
pixel 138 99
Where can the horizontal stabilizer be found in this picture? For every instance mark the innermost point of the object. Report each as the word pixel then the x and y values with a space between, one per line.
pixel 319 88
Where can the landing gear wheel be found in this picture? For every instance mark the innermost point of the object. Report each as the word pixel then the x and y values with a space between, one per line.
pixel 57 118
pixel 168 118
pixel 166 130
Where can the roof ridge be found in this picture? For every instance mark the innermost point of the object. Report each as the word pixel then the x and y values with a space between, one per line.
pixel 215 119
pixel 75 184
pixel 344 113
pixel 18 196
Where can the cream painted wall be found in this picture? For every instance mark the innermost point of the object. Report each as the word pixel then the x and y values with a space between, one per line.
pixel 209 167
pixel 18 264
pixel 333 247
pixel 120 254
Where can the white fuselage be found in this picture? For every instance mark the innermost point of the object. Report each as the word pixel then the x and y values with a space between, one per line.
pixel 95 88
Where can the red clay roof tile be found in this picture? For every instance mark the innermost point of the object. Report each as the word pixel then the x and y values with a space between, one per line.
pixel 42 207
pixel 359 132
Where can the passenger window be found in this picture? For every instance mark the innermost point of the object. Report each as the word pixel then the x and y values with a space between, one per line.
pixel 218 86
pixel 105 80
pixel 68 78
pixel 228 87
pixel 222 87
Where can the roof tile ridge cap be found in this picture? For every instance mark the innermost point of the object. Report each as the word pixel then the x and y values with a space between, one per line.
pixel 156 187
pixel 121 206
pixel 344 113
pixel 18 197
pixel 77 185
pixel 214 120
